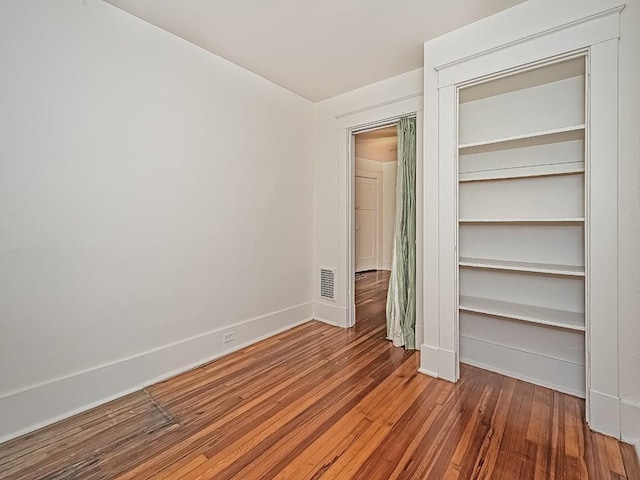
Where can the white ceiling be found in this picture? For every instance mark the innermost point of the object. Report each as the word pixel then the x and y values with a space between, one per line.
pixel 315 48
pixel 380 145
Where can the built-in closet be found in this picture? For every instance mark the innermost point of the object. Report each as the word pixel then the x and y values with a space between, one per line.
pixel 521 182
pixel 521 236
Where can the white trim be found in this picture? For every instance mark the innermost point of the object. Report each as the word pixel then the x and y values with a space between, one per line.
pixel 326 312
pixel 378 105
pixel 67 413
pixel 448 365
pixel 429 360
pixel 511 41
pixel 605 413
pixel 562 41
pixel 385 114
pixel 601 225
pixel 348 124
pixel 424 371
pixel 25 410
pixel 328 322
pixel 543 33
pixel 630 422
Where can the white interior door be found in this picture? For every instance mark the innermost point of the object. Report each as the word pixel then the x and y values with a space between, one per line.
pixel 366 218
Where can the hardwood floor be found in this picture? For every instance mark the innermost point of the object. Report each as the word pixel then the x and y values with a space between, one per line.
pixel 319 402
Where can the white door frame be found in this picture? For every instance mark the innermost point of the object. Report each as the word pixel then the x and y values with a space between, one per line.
pixel 377 176
pixel 349 125
pixel 596 34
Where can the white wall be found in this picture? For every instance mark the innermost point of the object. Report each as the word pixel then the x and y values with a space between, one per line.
pixel 329 173
pixel 152 196
pixel 524 20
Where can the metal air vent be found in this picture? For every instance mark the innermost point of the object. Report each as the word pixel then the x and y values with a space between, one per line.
pixel 327 283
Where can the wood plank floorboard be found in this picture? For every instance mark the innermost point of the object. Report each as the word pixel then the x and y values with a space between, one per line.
pixel 318 403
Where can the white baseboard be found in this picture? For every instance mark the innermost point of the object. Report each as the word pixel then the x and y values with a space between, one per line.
pixel 343 316
pixel 326 312
pixel 630 423
pixel 386 266
pixel 605 413
pixel 524 378
pixel 540 369
pixel 331 313
pixel 447 365
pixel 328 322
pixel 438 362
pixel 428 360
pixel 40 405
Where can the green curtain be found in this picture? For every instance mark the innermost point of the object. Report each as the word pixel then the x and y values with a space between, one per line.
pixel 401 299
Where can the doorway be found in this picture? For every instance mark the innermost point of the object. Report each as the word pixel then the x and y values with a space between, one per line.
pixel 376 161
pixel 348 125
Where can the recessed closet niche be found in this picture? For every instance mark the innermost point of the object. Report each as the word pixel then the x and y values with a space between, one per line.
pixel 521 230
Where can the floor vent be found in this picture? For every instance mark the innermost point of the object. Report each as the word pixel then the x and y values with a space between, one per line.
pixel 327 283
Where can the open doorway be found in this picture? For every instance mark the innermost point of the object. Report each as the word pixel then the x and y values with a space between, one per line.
pixel 406 114
pixel 376 164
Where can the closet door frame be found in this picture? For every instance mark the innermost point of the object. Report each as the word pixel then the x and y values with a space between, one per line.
pixel 595 36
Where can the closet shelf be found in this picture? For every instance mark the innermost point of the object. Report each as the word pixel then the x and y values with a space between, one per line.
pixel 525 313
pixel 568 168
pixel 527 221
pixel 545 136
pixel 545 268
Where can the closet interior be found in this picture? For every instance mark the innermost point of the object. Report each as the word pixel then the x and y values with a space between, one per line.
pixel 521 230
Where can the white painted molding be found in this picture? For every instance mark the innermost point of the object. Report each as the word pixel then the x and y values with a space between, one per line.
pixel 429 360
pixel 382 104
pixel 388 112
pixel 346 124
pixel 630 422
pixel 508 373
pixel 342 316
pixel 333 324
pixel 519 38
pixel 326 312
pixel 605 413
pixel 447 365
pixel 37 406
pixel 587 18
pixel 330 313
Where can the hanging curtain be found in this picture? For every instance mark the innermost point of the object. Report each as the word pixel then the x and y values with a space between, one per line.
pixel 401 298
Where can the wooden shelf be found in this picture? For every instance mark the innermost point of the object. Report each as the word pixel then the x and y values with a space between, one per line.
pixel 544 136
pixel 525 221
pixel 525 313
pixel 569 168
pixel 545 268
